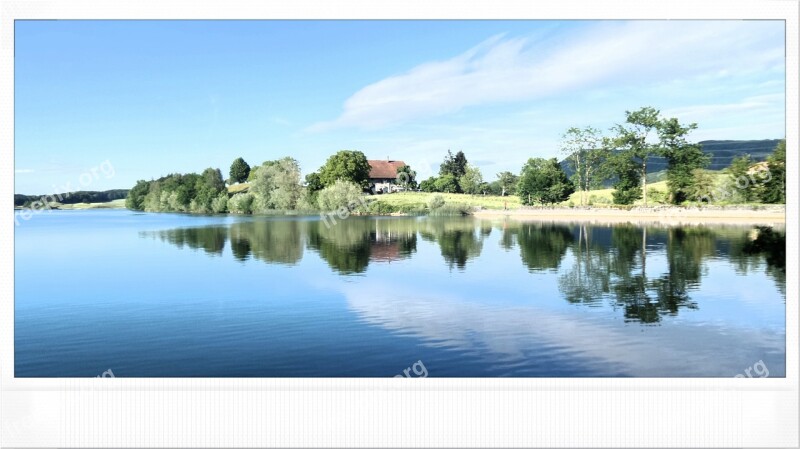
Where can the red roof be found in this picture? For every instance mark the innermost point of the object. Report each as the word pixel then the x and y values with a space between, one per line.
pixel 384 169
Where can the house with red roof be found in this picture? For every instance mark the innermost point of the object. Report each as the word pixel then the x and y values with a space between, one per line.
pixel 383 175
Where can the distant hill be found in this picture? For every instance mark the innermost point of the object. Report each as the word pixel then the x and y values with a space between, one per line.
pixel 722 153
pixel 74 197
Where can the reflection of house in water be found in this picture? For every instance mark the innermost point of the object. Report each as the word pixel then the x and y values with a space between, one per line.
pixel 388 244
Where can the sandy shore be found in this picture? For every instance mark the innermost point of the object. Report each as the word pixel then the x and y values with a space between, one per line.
pixel 773 215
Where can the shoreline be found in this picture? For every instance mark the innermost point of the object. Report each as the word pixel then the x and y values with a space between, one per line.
pixel 671 215
pixel 773 215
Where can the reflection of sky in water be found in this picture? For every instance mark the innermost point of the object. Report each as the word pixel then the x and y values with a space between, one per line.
pixel 107 289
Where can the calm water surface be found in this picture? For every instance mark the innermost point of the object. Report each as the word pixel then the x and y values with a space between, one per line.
pixel 168 295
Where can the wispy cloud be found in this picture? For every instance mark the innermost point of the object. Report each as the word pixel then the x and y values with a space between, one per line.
pixel 613 54
pixel 23 170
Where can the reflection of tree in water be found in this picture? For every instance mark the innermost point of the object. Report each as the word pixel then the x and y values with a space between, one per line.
pixel 615 267
pixel 647 300
pixel 457 238
pixel 344 246
pixel 211 239
pixel 588 279
pixel 272 241
pixel 686 250
pixel 762 244
pixel 543 245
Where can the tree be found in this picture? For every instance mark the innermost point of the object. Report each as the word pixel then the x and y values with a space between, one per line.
pixel 340 194
pixel 471 181
pixel 454 165
pixel 774 190
pixel 240 170
pixel 702 185
pixel 277 185
pixel 313 183
pixel 428 185
pixel 627 186
pixel 738 177
pixel 507 182
pixel 543 181
pixel 346 165
pixel 406 177
pixel 682 158
pixel 446 184
pixel 632 140
pixel 585 152
pixel 206 189
pixel 460 164
pixel 136 196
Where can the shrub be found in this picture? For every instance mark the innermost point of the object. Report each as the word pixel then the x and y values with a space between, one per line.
pixel 435 202
pixel 341 194
pixel 452 210
pixel 657 196
pixel 381 208
pixel 241 203
pixel 220 203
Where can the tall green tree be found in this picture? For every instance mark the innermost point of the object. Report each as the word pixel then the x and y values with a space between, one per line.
pixel 775 183
pixel 739 180
pixel 428 185
pixel 584 151
pixel 508 182
pixel 313 183
pixel 635 140
pixel 454 165
pixel 683 158
pixel 447 184
pixel 347 165
pixel 208 187
pixel 627 178
pixel 471 181
pixel 406 177
pixel 702 186
pixel 136 196
pixel 240 170
pixel 543 181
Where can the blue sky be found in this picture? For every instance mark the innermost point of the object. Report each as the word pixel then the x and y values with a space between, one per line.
pixel 156 97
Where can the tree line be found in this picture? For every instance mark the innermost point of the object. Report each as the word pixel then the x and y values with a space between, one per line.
pixel 619 158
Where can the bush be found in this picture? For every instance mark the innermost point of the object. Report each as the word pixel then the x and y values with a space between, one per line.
pixel 381 208
pixel 241 203
pixel 341 194
pixel 435 202
pixel 656 196
pixel 412 208
pixel 452 210
pixel 220 203
pixel 307 201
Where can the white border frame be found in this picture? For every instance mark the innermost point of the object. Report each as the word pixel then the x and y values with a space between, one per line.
pixel 642 412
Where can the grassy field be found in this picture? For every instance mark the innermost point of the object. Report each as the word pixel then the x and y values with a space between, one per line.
pixel 418 200
pixel 596 198
pixel 115 204
pixel 236 188
pixel 422 198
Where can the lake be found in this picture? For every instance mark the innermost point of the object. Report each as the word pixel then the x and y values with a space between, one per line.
pixel 171 295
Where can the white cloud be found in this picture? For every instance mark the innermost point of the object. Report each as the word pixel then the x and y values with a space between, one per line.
pixel 23 170
pixel 611 54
